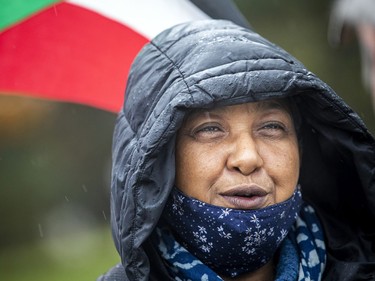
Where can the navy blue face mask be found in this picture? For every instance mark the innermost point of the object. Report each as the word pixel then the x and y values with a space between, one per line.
pixel 230 241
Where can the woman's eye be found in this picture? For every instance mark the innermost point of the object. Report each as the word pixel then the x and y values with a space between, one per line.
pixel 273 129
pixel 208 132
pixel 274 126
pixel 209 129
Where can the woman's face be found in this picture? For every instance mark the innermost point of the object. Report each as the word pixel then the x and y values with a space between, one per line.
pixel 243 156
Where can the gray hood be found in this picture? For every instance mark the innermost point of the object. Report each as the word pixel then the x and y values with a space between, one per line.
pixel 210 63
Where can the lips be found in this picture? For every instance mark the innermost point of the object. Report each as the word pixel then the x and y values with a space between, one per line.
pixel 245 197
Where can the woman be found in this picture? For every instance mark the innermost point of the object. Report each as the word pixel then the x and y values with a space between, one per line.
pixel 220 134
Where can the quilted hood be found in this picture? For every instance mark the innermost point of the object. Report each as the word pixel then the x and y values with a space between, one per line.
pixel 213 62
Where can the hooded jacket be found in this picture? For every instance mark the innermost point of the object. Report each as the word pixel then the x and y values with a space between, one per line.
pixel 210 63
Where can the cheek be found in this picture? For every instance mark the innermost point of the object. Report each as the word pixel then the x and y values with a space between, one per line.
pixel 182 170
pixel 292 165
pixel 196 169
pixel 188 168
pixel 282 165
pixel 289 170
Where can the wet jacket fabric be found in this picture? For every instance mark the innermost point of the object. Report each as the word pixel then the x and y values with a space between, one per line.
pixel 213 63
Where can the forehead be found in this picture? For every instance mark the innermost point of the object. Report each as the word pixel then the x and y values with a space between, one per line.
pixel 254 107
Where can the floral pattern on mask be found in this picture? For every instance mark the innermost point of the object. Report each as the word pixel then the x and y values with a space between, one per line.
pixel 230 241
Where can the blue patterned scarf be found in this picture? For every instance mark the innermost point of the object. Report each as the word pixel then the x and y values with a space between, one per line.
pixel 301 255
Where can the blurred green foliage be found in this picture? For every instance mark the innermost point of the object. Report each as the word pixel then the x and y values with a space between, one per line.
pixel 55 163
pixel 59 162
pixel 83 257
pixel 301 28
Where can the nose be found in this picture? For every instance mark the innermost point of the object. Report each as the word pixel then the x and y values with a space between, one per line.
pixel 244 155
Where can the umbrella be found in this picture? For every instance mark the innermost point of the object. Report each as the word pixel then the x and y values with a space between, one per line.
pixel 81 50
